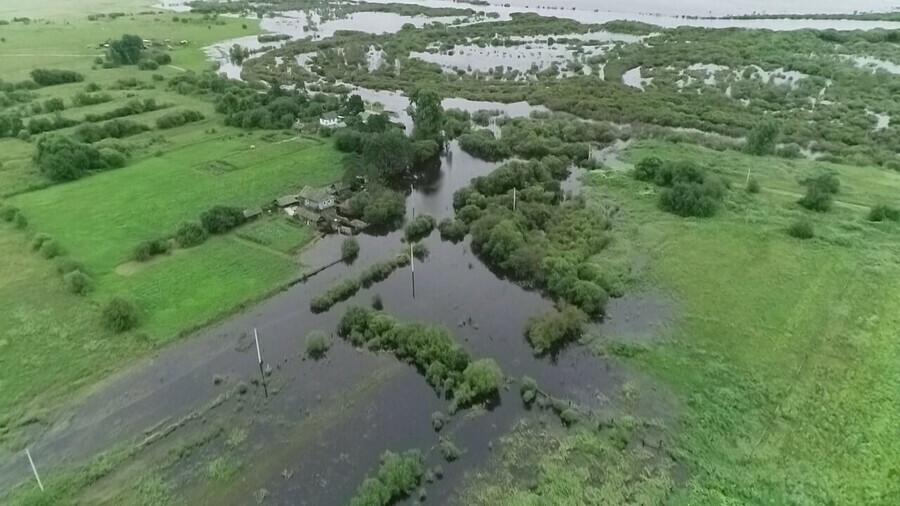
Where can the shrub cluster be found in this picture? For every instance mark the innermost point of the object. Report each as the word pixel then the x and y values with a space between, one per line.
pixel 116 129
pixel 337 293
pixel 801 229
pixel 421 226
pixel 40 125
pixel 120 315
pixel 317 344
pixel 51 77
pixel 431 349
pixel 178 118
pixel 687 189
pixel 63 158
pixel 882 212
pixel 379 207
pixel 349 249
pixel 129 109
pixel 221 219
pixel 190 234
pixel 453 230
pixel 149 249
pixel 820 192
pixel 397 476
pixel 550 331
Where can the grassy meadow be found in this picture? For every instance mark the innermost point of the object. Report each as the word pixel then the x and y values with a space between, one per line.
pixel 52 342
pixel 783 347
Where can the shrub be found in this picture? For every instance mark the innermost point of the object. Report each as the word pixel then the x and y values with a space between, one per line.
pixel 453 230
pixel 449 450
pixel 820 192
pixel 119 315
pixel 116 129
pixel 125 51
pixel 316 344
pixel 753 186
pixel 51 77
pixel 67 265
pixel 801 229
pixel 481 379
pixel 381 207
pixel 178 118
pixel 221 219
pixel 147 65
pixel 549 331
pixel 692 199
pixel 54 105
pixel 51 249
pixel 20 222
pixel 397 476
pixel 762 139
pixel 65 159
pixel 528 390
pixel 190 234
pixel 883 212
pixel 438 420
pixel 419 227
pixel 8 213
pixel 78 282
pixel 39 241
pixel 349 249
pixel 149 249
pixel 337 293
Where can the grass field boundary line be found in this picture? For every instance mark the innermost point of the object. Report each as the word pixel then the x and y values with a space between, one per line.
pixel 257 162
pixel 261 247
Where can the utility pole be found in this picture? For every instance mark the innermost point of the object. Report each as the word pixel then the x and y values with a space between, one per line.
pixel 514 199
pixel 412 269
pixel 34 469
pixel 262 373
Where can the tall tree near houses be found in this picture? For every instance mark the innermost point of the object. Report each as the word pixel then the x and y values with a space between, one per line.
pixel 428 116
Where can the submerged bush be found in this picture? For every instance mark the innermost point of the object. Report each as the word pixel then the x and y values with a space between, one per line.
pixel 317 344
pixel 397 477
pixel 349 249
pixel 550 331
pixel 421 226
pixel 119 315
pixel 337 293
pixel 453 230
pixel 481 379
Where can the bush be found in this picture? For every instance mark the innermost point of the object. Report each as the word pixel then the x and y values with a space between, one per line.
pixel 8 213
pixel 39 241
pixel 316 344
pixel 820 192
pixel 119 315
pixel 178 118
pixel 125 51
pixel 67 265
pixel 221 219
pixel 116 129
pixel 149 249
pixel 762 139
pixel 54 105
pixel 882 212
pixel 51 249
pixel 51 77
pixel 481 379
pixel 20 222
pixel 147 65
pixel 449 450
pixel 421 226
pixel 349 249
pixel 528 390
pixel 453 230
pixel 65 159
pixel 397 476
pixel 438 420
pixel 753 186
pixel 380 207
pixel 801 229
pixel 549 331
pixel 692 199
pixel 78 282
pixel 190 234
pixel 337 293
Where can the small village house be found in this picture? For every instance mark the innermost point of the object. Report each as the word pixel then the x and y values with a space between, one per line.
pixel 331 120
pixel 316 199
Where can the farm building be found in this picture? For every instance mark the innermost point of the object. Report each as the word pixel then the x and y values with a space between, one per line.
pixel 287 201
pixel 317 199
pixel 252 212
pixel 331 119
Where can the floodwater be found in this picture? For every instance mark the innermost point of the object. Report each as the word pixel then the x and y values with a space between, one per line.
pixel 327 460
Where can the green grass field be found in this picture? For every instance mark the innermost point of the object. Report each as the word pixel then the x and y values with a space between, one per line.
pixel 52 342
pixel 783 350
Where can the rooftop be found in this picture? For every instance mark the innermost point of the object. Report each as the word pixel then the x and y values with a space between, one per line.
pixel 315 194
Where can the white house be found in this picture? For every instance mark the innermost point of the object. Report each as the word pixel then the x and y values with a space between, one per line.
pixel 331 119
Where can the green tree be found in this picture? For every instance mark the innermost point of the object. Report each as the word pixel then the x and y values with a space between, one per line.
pixel 354 105
pixel 125 51
pixel 428 116
pixel 762 139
